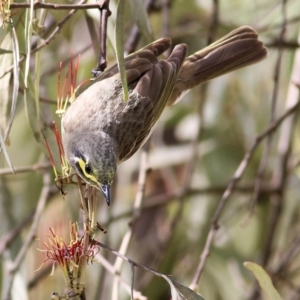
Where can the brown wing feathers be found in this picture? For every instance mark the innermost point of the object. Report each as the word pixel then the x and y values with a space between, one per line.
pixel 153 88
pixel 149 53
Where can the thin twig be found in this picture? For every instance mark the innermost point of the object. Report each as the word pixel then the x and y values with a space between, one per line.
pixel 51 36
pixel 267 149
pixel 11 236
pixel 184 194
pixel 287 45
pixel 144 167
pixel 30 237
pixel 125 258
pixel 136 214
pixel 281 175
pixel 110 268
pixel 93 33
pixel 288 257
pixel 39 5
pixel 236 177
pixel 104 14
pixel 214 22
pixel 35 167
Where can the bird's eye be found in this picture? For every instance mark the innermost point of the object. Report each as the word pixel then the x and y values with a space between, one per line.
pixel 88 169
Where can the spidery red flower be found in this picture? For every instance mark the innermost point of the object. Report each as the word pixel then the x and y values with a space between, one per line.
pixel 72 258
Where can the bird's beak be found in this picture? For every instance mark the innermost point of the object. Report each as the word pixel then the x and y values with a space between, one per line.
pixel 105 190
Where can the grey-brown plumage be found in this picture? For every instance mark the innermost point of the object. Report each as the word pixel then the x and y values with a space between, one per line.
pixel 100 130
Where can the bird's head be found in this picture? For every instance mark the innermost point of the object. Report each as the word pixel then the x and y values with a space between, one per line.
pixel 94 158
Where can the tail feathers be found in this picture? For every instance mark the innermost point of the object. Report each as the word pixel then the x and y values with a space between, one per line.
pixel 222 60
pixel 236 50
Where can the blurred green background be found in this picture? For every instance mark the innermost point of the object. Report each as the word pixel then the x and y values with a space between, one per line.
pixel 229 112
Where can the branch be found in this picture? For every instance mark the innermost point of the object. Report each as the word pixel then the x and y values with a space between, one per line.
pixel 39 5
pixel 30 237
pixel 237 176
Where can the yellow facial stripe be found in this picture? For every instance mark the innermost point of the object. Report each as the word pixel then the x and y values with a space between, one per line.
pixel 82 164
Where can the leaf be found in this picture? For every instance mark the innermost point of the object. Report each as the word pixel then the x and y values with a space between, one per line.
pixel 16 82
pixel 186 292
pixel 5 62
pixel 120 46
pixel 178 291
pixel 265 282
pixel 32 112
pixel 28 35
pixel 3 148
pixel 139 13
pixel 174 293
pixel 37 85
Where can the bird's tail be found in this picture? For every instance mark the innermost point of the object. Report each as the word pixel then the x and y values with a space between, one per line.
pixel 237 49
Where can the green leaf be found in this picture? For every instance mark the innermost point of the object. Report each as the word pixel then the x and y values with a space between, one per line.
pixel 16 82
pixel 6 60
pixel 186 292
pixel 265 282
pixel 32 111
pixel 3 148
pixel 120 46
pixel 28 35
pixel 37 85
pixel 178 291
pixel 174 293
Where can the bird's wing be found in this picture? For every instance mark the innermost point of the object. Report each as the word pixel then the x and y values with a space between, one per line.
pixel 139 61
pixel 149 94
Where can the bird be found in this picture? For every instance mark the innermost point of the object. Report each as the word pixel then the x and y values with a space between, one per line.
pixel 100 130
